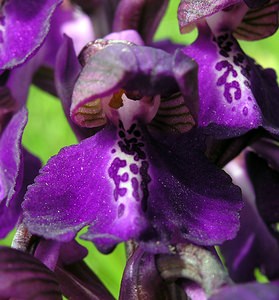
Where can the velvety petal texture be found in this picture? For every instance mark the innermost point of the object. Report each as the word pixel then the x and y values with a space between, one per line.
pixel 143 16
pixel 127 185
pixel 86 193
pixel 17 170
pixel 237 101
pixel 249 291
pixel 254 246
pixel 24 277
pixel 24 26
pixel 190 11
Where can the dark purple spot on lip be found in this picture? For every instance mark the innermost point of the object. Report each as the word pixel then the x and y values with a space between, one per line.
pixel 113 151
pixel 245 111
pixel 1 37
pixel 134 168
pixel 137 133
pixel 228 91
pixel 122 192
pixel 135 186
pixel 113 170
pixel 125 177
pixel 2 19
pixel 121 134
pixel 121 209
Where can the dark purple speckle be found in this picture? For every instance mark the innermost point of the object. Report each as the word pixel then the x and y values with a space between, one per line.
pixel 245 111
pixel 134 168
pixel 121 209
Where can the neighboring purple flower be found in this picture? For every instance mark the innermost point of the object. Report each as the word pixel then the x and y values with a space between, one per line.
pixel 23 28
pixel 143 16
pixel 137 178
pixel 22 274
pixel 255 246
pixel 242 94
pixel 17 170
pixel 248 20
pixel 70 20
pixel 248 291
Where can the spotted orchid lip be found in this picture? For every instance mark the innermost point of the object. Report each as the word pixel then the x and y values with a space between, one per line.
pixel 127 185
pixel 236 103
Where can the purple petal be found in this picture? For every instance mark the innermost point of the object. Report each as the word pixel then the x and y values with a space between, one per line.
pixel 184 182
pixel 249 291
pixel 67 71
pixel 174 203
pixel 84 194
pixel 22 274
pixel 266 182
pixel 112 181
pixel 269 150
pixel 79 282
pixel 254 246
pixel 17 170
pixel 141 278
pixel 167 45
pixel 72 252
pixel 47 252
pixel 190 11
pixel 9 214
pixel 237 101
pixel 143 16
pixel 256 3
pixel 258 23
pixel 10 155
pixel 24 26
pixel 71 21
pixel 172 117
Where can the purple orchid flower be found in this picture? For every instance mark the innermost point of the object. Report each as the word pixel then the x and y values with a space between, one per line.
pixel 17 167
pixel 248 20
pixel 256 245
pixel 67 19
pixel 242 94
pixel 24 26
pixel 128 181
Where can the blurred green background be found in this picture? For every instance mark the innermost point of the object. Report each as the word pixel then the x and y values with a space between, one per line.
pixel 48 131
